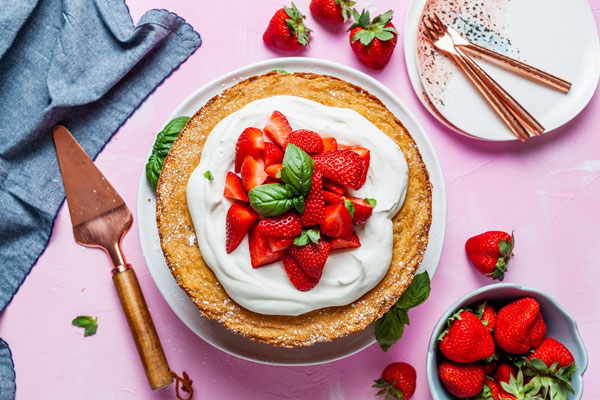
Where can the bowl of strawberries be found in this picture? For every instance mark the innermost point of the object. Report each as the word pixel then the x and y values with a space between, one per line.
pixel 506 341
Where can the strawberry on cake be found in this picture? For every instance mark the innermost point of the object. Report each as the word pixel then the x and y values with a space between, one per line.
pixel 317 217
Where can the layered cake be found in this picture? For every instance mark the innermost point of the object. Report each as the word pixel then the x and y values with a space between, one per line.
pixel 294 208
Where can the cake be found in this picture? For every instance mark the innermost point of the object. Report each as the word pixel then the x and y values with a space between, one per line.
pixel 355 289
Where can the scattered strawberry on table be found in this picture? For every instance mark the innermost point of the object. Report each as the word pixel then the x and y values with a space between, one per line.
pixel 331 11
pixel 489 252
pixel 373 41
pixel 398 381
pixel 504 355
pixel 290 198
pixel 286 30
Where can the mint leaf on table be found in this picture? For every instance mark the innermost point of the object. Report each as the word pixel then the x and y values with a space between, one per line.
pixel 390 327
pixel 271 200
pixel 89 324
pixel 297 169
pixel 162 146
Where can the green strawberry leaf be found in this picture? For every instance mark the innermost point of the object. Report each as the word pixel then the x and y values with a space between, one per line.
pixel 384 35
pixel 372 202
pixel 271 200
pixel 390 327
pixel 208 175
pixel 160 149
pixel 349 206
pixel 297 169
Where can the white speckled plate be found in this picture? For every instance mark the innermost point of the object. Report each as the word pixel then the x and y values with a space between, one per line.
pixel 213 332
pixel 557 36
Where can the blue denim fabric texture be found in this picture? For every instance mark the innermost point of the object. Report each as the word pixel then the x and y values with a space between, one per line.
pixel 81 63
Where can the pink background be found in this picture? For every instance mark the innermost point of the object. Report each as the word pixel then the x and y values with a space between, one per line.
pixel 547 190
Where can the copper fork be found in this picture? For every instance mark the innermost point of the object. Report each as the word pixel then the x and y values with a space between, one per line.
pixel 443 41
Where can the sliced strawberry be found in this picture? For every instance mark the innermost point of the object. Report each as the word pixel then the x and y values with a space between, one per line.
pixel 273 170
pixel 314 205
pixel 329 144
pixel 253 173
pixel 279 243
pixel 332 199
pixel 308 141
pixel 250 143
pixel 342 166
pixel 366 155
pixel 272 154
pixel 338 221
pixel 300 279
pixel 234 188
pixel 330 185
pixel 311 257
pixel 240 217
pixel 260 252
pixel 349 242
pixel 284 225
pixel 362 210
pixel 278 128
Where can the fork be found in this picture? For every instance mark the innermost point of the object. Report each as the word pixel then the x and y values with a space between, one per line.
pixel 442 40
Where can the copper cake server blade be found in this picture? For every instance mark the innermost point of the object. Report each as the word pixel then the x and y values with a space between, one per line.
pixel 100 218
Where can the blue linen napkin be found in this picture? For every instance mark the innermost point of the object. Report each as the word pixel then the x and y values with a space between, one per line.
pixel 81 63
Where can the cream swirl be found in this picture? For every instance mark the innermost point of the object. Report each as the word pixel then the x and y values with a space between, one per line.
pixel 348 274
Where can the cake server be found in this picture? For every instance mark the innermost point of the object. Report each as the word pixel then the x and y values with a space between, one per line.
pixel 100 218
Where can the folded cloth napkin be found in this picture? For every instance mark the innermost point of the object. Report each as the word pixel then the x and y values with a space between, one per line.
pixel 81 63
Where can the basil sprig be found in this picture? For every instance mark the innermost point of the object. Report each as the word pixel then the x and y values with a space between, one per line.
pixel 276 198
pixel 307 235
pixel 160 149
pixel 390 327
pixel 89 324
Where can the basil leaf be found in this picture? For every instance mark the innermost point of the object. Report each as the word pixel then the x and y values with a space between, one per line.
pixel 297 169
pixel 302 239
pixel 162 146
pixel 271 199
pixel 313 235
pixel 208 175
pixel 82 321
pixel 390 327
pixel 349 206
pixel 372 202
pixel 299 203
pixel 91 328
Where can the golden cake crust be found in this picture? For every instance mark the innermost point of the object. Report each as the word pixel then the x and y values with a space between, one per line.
pixel 176 230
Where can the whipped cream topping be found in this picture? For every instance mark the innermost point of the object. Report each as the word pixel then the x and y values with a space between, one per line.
pixel 348 274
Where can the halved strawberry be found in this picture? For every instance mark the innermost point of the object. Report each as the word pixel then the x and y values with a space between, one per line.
pixel 349 242
pixel 234 188
pixel 329 144
pixel 330 185
pixel 366 155
pixel 342 166
pixel 279 243
pixel 314 205
pixel 260 252
pixel 250 143
pixel 362 209
pixel 284 225
pixel 253 173
pixel 300 279
pixel 278 128
pixel 240 217
pixel 337 222
pixel 273 169
pixel 272 154
pixel 332 199
pixel 311 257
pixel 307 140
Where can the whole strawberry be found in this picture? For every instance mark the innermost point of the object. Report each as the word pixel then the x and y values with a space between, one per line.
pixel 487 315
pixel 398 381
pixel 552 351
pixel 520 326
pixel 331 11
pixel 462 380
pixel 374 41
pixel 286 30
pixel 489 252
pixel 504 372
pixel 467 340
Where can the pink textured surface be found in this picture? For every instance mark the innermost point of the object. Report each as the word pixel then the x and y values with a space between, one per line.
pixel 547 190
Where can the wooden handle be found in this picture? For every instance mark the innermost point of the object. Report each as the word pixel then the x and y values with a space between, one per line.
pixel 142 329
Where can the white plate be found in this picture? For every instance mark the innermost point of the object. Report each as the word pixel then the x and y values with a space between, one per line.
pixel 558 36
pixel 213 332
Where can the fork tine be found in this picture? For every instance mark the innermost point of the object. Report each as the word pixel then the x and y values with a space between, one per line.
pixel 439 22
pixel 431 34
pixel 433 25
